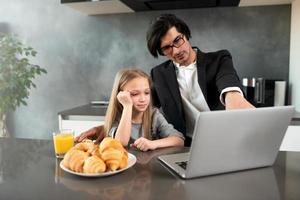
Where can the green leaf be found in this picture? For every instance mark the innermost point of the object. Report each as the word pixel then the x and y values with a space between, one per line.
pixel 16 72
pixel 33 53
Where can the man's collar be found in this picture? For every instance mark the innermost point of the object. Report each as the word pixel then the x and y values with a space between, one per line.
pixel 189 67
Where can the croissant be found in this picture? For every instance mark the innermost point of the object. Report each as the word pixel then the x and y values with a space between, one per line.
pixel 113 154
pixel 124 161
pixel 86 146
pixel 94 151
pixel 74 159
pixel 87 157
pixel 94 164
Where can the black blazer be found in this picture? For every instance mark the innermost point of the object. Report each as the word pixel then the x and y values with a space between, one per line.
pixel 215 72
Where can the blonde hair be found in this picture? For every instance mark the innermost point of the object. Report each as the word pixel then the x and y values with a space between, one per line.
pixel 115 108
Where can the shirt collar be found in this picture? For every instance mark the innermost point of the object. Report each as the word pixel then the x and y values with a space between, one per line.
pixel 191 66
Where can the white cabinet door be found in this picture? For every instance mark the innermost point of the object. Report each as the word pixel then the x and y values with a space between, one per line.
pixel 79 124
pixel 291 140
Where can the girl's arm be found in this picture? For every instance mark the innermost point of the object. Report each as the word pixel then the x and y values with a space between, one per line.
pixel 124 128
pixel 144 144
pixel 170 141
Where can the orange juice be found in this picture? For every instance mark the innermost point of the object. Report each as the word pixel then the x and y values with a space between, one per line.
pixel 62 143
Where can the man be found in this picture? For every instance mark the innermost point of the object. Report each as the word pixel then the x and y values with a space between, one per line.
pixel 190 81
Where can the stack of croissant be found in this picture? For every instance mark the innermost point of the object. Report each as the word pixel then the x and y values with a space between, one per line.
pixel 86 157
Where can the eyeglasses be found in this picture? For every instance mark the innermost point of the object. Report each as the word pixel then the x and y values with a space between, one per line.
pixel 177 42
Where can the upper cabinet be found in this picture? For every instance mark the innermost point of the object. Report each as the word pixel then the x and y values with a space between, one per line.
pixel 95 7
pixel 147 5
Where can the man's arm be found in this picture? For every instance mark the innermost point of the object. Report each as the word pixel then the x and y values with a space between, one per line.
pixel 95 133
pixel 228 78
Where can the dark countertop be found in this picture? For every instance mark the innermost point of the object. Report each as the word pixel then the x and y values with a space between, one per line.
pixel 88 110
pixel 100 110
pixel 296 116
pixel 29 170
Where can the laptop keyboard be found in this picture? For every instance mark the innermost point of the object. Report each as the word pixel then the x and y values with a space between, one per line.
pixel 182 164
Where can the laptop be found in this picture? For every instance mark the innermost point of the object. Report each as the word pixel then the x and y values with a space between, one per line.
pixel 228 141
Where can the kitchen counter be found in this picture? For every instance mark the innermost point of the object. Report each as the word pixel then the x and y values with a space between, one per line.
pixel 296 116
pixel 296 119
pixel 100 110
pixel 85 110
pixel 30 171
pixel 87 116
pixel 82 118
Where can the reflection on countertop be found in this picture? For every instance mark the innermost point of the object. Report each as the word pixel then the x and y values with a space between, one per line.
pixel 29 169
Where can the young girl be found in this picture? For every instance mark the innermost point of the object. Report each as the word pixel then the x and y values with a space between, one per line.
pixel 130 117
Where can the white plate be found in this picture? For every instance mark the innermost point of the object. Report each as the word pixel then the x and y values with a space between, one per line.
pixel 131 162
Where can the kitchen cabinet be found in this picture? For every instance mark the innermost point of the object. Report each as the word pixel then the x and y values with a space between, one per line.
pixel 82 118
pixel 95 7
pixel 291 140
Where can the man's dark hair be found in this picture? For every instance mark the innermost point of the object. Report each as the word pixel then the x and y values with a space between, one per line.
pixel 159 27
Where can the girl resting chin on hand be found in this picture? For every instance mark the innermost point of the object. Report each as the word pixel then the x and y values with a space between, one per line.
pixel 130 117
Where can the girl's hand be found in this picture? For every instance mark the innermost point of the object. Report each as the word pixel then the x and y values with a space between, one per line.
pixel 124 98
pixel 144 144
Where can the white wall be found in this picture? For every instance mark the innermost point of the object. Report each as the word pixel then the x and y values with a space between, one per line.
pixel 291 141
pixel 294 75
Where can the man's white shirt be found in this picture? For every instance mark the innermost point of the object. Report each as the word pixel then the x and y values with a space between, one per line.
pixel 192 96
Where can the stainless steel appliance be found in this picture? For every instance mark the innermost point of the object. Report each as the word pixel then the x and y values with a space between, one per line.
pixel 261 92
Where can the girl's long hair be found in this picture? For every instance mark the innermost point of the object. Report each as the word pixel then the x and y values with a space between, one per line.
pixel 115 108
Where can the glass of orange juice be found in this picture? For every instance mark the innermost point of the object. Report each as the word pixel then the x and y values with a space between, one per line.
pixel 63 140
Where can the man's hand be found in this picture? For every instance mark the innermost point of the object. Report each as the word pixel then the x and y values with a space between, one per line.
pixel 234 100
pixel 96 133
pixel 144 144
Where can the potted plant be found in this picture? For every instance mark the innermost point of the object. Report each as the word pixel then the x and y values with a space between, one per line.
pixel 16 76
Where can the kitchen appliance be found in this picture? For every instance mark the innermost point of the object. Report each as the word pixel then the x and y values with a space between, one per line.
pixel 264 92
